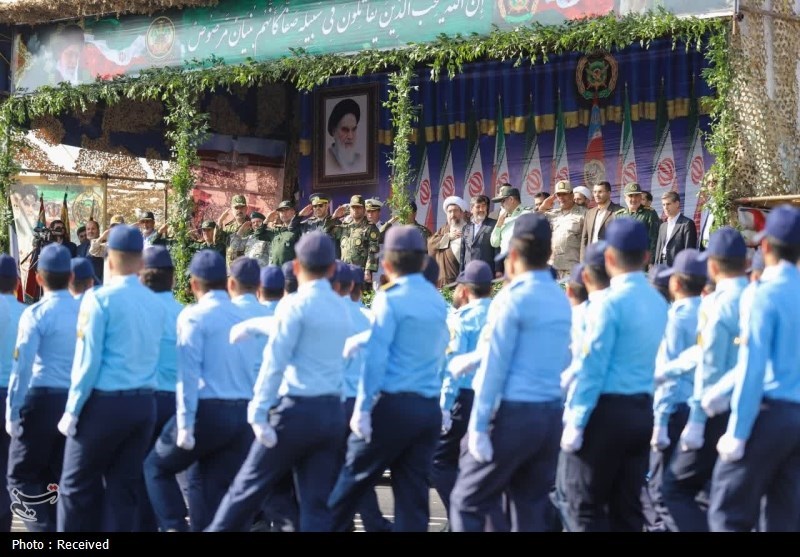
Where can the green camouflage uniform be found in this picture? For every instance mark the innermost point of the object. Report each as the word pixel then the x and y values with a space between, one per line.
pixel 359 242
pixel 236 243
pixel 650 220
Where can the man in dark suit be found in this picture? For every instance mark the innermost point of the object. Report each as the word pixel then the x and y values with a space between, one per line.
pixel 476 234
pixel 598 217
pixel 676 233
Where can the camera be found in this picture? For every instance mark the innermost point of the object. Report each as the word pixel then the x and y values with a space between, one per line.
pixel 42 236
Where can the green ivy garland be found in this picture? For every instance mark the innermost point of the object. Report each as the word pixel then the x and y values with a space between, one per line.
pixel 187 128
pixel 403 117
pixel 8 168
pixel 532 44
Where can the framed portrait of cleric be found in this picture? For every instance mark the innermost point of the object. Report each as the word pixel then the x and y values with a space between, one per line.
pixel 345 136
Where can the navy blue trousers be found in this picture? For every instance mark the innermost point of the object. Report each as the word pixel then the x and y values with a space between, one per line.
pixel 35 458
pixel 687 479
pixel 525 441
pixel 770 469
pixel 99 487
pixel 445 459
pixel 370 511
pixel 5 500
pixel 309 444
pixel 405 431
pixel 652 497
pixel 603 480
pixel 222 438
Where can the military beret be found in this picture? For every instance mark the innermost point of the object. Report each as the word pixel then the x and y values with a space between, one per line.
pixel 272 277
pixel 430 269
pixel 288 272
pixel 8 266
pixel 726 242
pixel 595 254
pixel 54 258
pixel 157 257
pixel 257 215
pixel 315 249
pixel 83 269
pixel 627 234
pixel 208 225
pixel 125 238
pixel 246 270
pixel 357 274
pixel 403 238
pixel 208 264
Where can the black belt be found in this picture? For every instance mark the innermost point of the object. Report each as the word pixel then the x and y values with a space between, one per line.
pixel 125 392
pixel 224 401
pixel 47 391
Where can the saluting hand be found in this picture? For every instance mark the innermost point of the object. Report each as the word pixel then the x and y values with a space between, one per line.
pixel 307 211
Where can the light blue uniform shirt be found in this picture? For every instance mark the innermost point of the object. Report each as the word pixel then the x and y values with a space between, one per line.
pixel 209 366
pixel 45 348
pixel 623 333
pixel 251 308
pixel 359 316
pixel 11 310
pixel 465 327
pixel 270 305
pixel 680 334
pixel 718 331
pixel 577 332
pixel 406 348
pixel 119 333
pixel 768 363
pixel 167 366
pixel 528 334
pixel 304 357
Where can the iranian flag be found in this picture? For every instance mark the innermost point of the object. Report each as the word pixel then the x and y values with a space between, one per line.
pixel 500 174
pixel 626 165
pixel 695 168
pixel 532 179
pixel 473 179
pixel 447 180
pixel 594 166
pixel 560 170
pixel 422 197
pixel 664 177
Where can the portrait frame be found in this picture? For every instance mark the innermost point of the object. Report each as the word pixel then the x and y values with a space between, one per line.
pixel 362 169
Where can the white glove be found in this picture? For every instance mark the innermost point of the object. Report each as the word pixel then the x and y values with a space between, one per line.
pixel 567 377
pixel 693 436
pixel 447 421
pixel 571 439
pixel 355 343
pixel 185 439
pixel 463 364
pixel 361 425
pixel 729 448
pixel 265 434
pixel 714 403
pixel 14 428
pixel 480 446
pixel 68 424
pixel 252 328
pixel 660 439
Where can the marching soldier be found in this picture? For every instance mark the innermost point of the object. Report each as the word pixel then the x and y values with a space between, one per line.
pixel 358 239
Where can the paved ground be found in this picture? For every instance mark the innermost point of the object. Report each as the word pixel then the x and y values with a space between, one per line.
pixel 385 500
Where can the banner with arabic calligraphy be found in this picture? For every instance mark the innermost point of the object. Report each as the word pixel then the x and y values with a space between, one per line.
pixel 236 30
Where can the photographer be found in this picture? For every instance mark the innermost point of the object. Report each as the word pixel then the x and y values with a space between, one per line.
pixel 58 236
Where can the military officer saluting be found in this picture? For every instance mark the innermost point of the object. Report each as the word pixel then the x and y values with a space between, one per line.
pixel 257 244
pixel 212 238
pixel 283 233
pixel 321 218
pixel 237 230
pixel 358 239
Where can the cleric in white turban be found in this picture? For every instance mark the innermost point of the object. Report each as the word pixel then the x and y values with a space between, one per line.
pixel 455 200
pixel 445 245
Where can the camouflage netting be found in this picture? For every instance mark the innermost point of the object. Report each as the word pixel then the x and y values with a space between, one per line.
pixel 20 12
pixel 765 60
